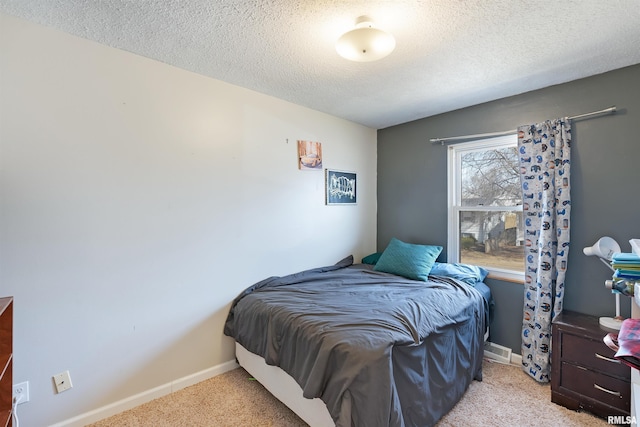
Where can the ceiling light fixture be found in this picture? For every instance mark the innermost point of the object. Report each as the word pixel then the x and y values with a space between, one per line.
pixel 365 43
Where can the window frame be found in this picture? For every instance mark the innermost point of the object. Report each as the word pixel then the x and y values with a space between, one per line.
pixel 454 188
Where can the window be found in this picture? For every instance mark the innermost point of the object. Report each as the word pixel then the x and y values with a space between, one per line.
pixel 485 206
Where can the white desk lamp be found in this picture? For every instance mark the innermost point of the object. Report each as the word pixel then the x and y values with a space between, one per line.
pixel 604 249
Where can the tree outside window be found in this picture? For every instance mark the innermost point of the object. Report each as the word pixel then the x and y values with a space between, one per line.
pixel 485 206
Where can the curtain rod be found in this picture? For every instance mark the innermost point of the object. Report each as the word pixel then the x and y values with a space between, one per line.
pixel 609 110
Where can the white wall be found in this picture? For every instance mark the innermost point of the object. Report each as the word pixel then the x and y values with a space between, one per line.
pixel 137 200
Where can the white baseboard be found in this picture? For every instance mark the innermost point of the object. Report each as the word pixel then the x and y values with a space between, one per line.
pixel 145 396
pixel 516 359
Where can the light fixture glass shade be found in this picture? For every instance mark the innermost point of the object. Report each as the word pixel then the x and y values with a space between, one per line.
pixel 365 43
pixel 605 247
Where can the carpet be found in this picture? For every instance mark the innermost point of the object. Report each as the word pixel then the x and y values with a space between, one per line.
pixel 505 397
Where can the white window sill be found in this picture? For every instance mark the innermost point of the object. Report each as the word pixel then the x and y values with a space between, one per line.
pixel 506 276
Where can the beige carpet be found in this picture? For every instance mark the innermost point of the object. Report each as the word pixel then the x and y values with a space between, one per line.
pixel 505 397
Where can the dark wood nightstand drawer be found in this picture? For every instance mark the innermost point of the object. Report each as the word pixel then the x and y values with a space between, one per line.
pixel 581 375
pixel 603 388
pixel 592 354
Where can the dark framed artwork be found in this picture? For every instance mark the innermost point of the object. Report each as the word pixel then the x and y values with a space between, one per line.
pixel 340 187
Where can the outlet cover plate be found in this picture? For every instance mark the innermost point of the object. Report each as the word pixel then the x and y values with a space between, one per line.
pixel 21 392
pixel 62 381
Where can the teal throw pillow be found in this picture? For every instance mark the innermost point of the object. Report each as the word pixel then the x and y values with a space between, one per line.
pixel 372 259
pixel 408 260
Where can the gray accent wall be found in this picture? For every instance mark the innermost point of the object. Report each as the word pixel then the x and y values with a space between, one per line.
pixel 605 179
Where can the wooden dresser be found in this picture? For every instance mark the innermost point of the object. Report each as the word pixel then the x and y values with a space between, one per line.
pixel 584 373
pixel 6 360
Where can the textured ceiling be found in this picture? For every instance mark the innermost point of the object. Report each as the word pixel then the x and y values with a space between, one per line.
pixel 450 53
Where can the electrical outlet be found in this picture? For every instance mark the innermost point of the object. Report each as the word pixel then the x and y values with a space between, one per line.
pixel 21 392
pixel 62 381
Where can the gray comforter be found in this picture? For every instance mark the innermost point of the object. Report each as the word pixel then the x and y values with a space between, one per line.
pixel 378 349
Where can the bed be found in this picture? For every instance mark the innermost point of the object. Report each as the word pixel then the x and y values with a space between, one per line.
pixel 350 345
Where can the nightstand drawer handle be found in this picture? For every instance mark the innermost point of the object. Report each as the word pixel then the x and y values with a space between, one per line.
pixel 615 393
pixel 608 359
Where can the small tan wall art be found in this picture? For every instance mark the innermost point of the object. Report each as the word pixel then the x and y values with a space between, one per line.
pixel 309 155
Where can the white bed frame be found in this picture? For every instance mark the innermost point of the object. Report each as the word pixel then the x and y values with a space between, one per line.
pixel 313 411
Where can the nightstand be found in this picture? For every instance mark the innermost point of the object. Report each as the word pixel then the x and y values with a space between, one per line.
pixel 584 373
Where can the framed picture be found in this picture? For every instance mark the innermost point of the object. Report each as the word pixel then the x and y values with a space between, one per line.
pixel 340 187
pixel 309 155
